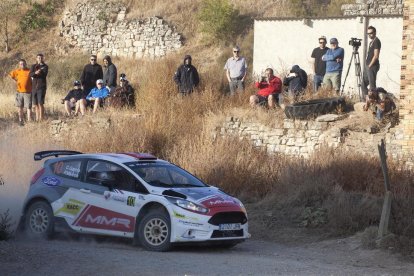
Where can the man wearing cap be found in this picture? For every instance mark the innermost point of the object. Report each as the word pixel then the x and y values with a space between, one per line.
pixel 186 77
pixel 38 73
pixel 123 95
pixel 372 64
pixel 334 58
pixel 319 66
pixel 90 74
pixel 24 88
pixel 236 71
pixel 97 95
pixel 75 99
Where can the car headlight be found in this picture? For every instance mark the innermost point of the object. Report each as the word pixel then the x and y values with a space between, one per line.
pixel 188 205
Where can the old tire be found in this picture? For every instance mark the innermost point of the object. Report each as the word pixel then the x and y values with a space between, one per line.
pixel 39 221
pixel 154 231
pixel 313 108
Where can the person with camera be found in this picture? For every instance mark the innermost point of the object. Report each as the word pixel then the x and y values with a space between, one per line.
pixel 334 58
pixel 123 95
pixel 270 87
pixel 236 71
pixel 296 81
pixel 75 100
pixel 38 73
pixel 380 102
pixel 372 64
pixel 186 77
pixel 97 96
pixel 24 90
pixel 319 66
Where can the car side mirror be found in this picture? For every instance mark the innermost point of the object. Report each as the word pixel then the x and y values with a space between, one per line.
pixel 109 184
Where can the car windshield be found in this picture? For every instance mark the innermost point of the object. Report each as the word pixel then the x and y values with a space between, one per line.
pixel 164 175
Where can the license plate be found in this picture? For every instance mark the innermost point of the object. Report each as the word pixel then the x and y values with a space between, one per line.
pixel 230 226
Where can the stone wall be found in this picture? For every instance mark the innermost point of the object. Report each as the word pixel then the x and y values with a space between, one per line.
pixel 373 7
pixel 101 27
pixel 302 138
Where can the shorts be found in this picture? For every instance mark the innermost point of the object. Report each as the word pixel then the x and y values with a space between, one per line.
pixel 24 100
pixel 38 96
pixel 263 99
pixel 90 103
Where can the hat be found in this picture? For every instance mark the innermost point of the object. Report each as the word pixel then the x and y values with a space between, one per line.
pixel 122 77
pixel 333 41
pixel 76 83
pixel 99 81
pixel 322 37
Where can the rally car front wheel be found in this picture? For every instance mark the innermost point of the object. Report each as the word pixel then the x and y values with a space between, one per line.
pixel 39 221
pixel 154 231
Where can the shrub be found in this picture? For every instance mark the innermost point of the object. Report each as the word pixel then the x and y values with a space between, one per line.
pixel 218 19
pixel 5 226
pixel 38 16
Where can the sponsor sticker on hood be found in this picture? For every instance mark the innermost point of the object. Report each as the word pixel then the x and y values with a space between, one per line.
pixel 209 197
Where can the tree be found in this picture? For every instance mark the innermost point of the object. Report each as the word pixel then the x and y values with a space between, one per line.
pixel 8 10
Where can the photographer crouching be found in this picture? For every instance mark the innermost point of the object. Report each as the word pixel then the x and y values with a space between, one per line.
pixel 270 88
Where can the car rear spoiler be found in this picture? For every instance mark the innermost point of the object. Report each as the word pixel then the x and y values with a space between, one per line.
pixel 43 154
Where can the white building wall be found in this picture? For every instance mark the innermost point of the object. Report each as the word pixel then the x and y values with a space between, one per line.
pixel 279 44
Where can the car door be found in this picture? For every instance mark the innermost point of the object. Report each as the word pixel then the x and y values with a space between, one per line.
pixel 111 204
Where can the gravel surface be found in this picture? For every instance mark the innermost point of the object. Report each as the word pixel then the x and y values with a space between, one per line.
pixel 85 256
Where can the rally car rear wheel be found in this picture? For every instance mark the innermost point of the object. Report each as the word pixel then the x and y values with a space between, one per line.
pixel 39 220
pixel 154 231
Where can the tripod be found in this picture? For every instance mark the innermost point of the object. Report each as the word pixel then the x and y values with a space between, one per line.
pixel 355 57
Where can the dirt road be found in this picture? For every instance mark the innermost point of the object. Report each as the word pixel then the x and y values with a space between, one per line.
pixel 114 257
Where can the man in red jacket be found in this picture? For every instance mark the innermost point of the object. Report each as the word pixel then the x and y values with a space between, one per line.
pixel 270 87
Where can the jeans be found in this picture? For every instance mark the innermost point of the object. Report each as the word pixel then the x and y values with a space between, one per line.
pixel 369 77
pixel 234 85
pixel 317 82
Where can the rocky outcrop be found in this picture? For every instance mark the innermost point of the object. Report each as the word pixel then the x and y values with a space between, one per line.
pixel 373 7
pixel 101 27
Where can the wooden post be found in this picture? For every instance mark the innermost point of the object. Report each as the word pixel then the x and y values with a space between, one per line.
pixel 386 208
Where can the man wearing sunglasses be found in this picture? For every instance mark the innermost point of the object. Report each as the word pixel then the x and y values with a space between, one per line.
pixel 319 66
pixel 90 74
pixel 372 64
pixel 236 70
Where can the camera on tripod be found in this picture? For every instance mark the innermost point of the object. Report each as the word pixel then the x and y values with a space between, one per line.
pixel 355 42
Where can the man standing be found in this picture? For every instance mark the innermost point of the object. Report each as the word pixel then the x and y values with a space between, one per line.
pixel 90 74
pixel 186 77
pixel 372 64
pixel 270 87
pixel 334 58
pixel 319 66
pixel 24 88
pixel 38 73
pixel 236 71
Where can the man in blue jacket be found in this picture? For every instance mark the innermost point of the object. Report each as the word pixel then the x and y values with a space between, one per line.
pixel 97 95
pixel 334 58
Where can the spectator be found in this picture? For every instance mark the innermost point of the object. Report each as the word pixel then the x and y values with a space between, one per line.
pixel 334 58
pixel 75 100
pixel 270 87
pixel 296 80
pixel 109 73
pixel 24 90
pixel 38 73
pixel 123 95
pixel 90 74
pixel 186 77
pixel 97 95
pixel 372 64
pixel 236 71
pixel 319 66
pixel 379 101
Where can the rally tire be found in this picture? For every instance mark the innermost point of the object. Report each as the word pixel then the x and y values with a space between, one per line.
pixel 313 108
pixel 154 231
pixel 39 220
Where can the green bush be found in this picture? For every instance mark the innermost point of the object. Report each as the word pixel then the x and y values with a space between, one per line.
pixel 38 16
pixel 218 19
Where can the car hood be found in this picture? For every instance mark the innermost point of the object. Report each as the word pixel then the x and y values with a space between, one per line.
pixel 209 197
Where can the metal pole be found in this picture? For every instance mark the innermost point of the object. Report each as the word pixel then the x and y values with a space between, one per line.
pixel 386 208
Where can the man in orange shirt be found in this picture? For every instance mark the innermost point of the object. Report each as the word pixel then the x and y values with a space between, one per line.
pixel 24 90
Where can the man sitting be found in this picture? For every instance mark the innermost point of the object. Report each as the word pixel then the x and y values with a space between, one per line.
pixel 97 95
pixel 296 80
pixel 123 95
pixel 270 88
pixel 75 100
pixel 379 102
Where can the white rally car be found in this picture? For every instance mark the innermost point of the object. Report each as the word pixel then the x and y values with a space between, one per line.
pixel 130 195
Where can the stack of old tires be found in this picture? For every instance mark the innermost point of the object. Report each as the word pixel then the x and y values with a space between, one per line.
pixel 314 108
